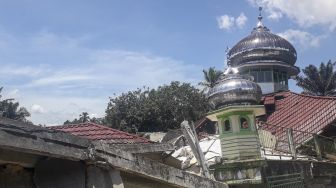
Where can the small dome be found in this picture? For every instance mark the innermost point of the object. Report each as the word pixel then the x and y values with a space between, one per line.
pixel 262 45
pixel 234 89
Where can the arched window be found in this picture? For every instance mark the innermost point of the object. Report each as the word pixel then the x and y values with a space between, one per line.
pixel 244 123
pixel 227 126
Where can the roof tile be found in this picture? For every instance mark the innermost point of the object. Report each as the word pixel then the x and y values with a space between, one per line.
pixel 301 112
pixel 94 131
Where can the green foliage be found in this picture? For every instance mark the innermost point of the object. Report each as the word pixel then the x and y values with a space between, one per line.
pixel 12 110
pixel 211 76
pixel 150 110
pixel 320 81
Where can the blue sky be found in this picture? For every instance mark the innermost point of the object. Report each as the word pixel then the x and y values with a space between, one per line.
pixel 60 58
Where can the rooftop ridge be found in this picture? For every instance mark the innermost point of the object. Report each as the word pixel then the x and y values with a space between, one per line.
pixel 299 94
pixel 98 126
pixel 315 96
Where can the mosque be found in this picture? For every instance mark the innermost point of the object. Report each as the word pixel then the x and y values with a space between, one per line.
pixel 261 134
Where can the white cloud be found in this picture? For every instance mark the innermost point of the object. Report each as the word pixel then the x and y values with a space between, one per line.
pixel 13 93
pixel 303 38
pixel 38 109
pixel 241 20
pixel 19 70
pixel 136 69
pixel 56 110
pixel 225 22
pixel 107 72
pixel 306 13
pixel 59 78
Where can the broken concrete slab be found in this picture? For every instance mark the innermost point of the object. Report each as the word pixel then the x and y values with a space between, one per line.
pixel 150 168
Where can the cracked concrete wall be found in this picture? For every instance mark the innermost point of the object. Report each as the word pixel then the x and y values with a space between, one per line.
pixel 103 178
pixel 58 173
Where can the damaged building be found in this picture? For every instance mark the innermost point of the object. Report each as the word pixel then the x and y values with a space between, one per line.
pixel 32 156
pixel 258 134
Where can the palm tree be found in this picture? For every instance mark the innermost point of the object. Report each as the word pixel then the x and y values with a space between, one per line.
pixel 84 117
pixel 321 82
pixel 211 76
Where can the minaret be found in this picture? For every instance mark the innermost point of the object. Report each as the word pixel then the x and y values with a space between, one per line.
pixel 235 99
pixel 269 58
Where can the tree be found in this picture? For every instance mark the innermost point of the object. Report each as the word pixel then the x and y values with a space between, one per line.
pixel 83 118
pixel 151 110
pixel 320 81
pixel 211 76
pixel 12 110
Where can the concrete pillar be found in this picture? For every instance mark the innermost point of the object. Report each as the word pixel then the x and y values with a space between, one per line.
pixel 103 178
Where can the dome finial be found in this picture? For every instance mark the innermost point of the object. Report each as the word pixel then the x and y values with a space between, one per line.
pixel 259 24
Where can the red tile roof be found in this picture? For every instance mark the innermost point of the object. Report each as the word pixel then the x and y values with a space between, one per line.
pixel 301 112
pixel 94 131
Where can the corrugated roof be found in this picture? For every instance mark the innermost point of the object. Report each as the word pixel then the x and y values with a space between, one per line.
pixel 94 131
pixel 301 112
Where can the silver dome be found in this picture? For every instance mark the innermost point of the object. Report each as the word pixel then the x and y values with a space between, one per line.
pixel 262 46
pixel 234 89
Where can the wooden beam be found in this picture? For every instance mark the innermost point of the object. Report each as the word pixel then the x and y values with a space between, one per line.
pixel 190 134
